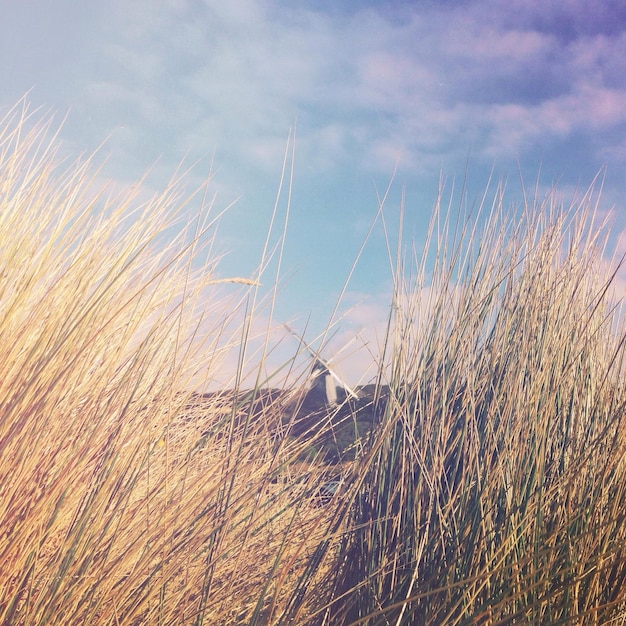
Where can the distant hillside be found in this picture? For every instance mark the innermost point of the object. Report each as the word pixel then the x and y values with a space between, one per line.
pixel 290 414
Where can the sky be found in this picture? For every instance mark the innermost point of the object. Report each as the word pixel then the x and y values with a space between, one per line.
pixel 372 90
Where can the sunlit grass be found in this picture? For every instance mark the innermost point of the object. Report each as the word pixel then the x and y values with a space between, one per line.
pixel 122 499
pixel 494 489
pixel 488 488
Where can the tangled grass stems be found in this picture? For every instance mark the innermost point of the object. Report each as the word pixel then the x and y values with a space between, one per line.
pixel 494 490
pixel 489 489
pixel 122 499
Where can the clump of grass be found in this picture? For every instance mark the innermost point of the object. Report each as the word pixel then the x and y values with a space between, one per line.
pixel 494 487
pixel 123 499
pixel 485 483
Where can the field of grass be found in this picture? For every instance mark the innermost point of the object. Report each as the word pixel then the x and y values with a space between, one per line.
pixel 482 481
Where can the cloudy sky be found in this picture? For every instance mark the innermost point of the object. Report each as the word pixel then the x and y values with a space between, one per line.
pixel 370 87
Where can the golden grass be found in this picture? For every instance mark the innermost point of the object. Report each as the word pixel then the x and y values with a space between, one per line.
pixel 115 507
pixel 490 489
pixel 494 490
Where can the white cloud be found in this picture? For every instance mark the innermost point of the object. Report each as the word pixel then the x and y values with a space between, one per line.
pixel 420 84
pixel 421 89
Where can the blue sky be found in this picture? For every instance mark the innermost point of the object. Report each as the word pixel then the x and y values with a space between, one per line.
pixel 520 85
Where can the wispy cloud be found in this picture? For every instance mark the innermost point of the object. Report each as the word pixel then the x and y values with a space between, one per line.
pixel 418 85
pixel 385 82
pixel 371 85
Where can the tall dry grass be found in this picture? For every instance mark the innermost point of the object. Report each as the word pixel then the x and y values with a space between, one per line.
pixel 494 490
pixel 125 499
pixel 489 490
